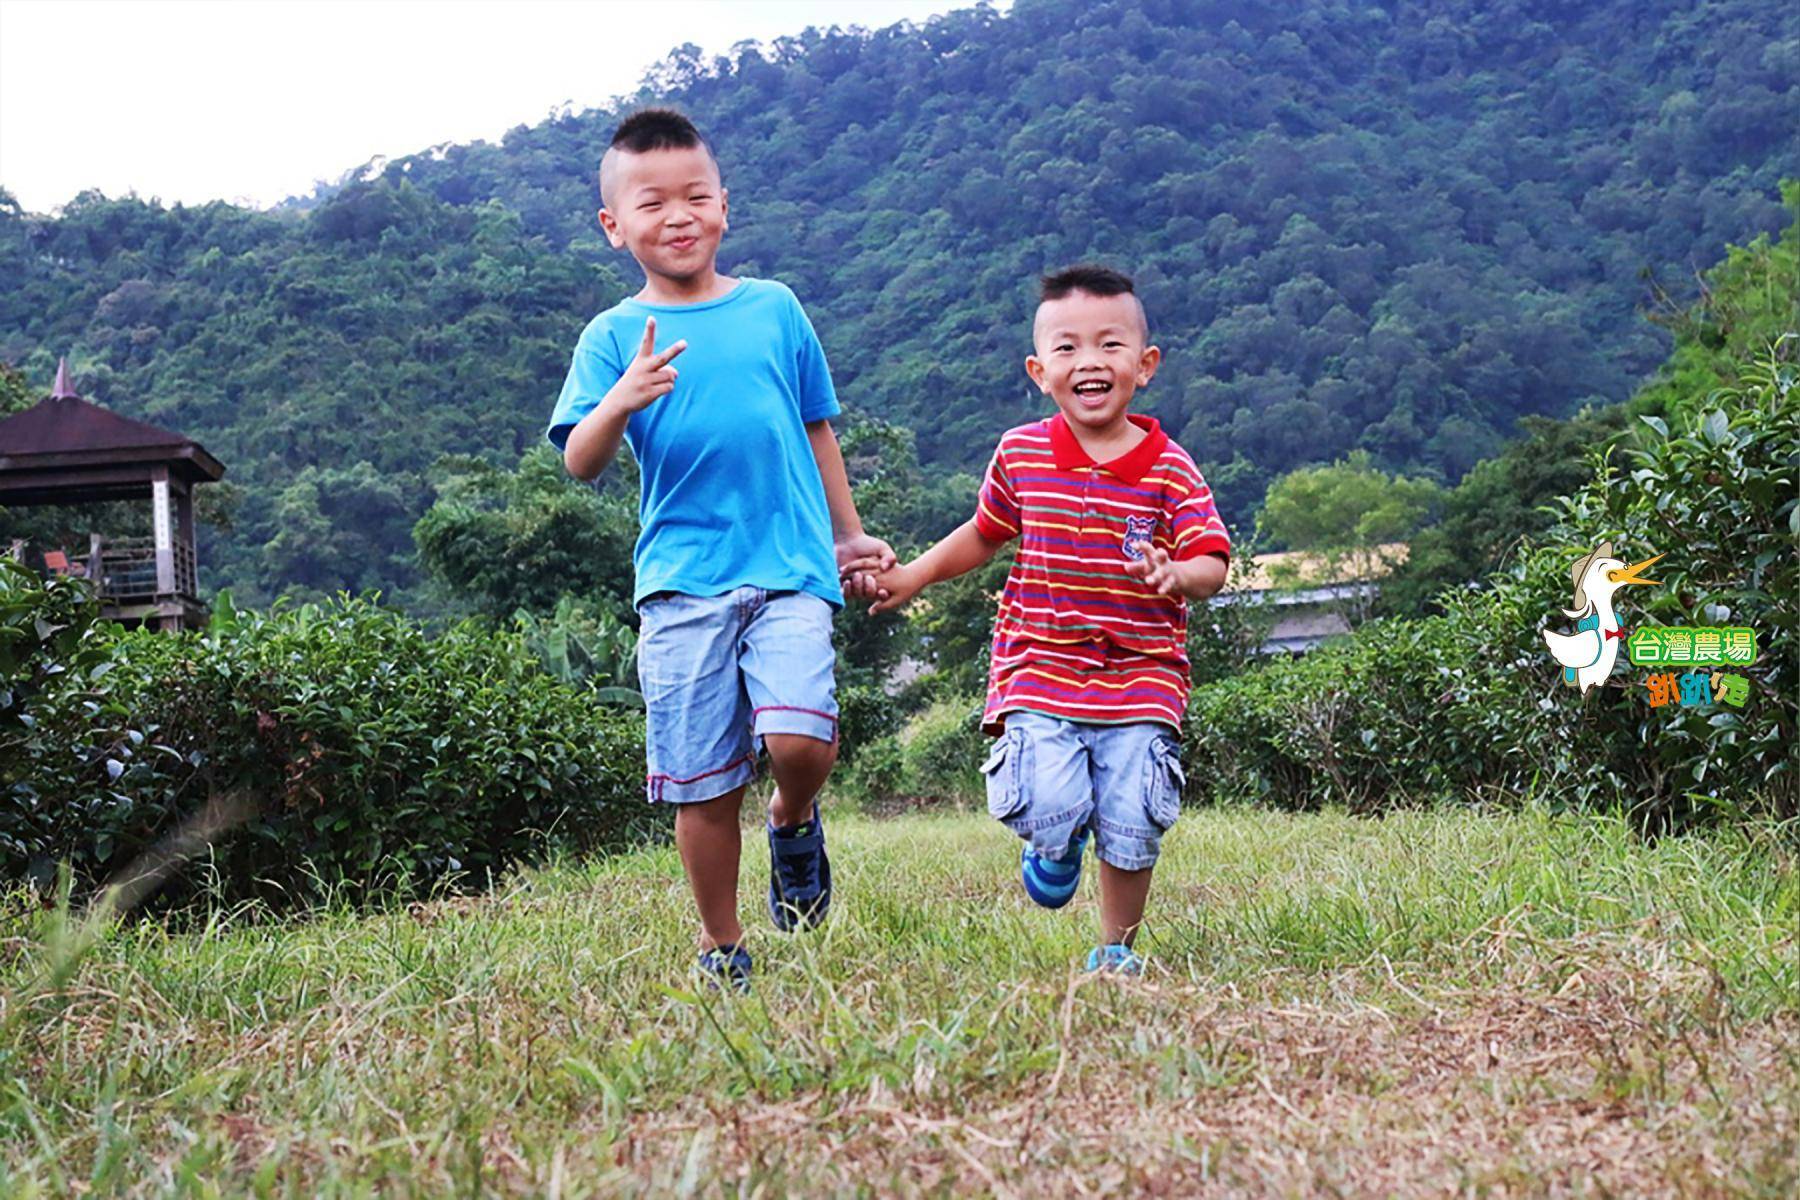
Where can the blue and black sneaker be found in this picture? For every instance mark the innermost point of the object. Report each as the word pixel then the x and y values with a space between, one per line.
pixel 1052 882
pixel 1115 958
pixel 725 967
pixel 799 875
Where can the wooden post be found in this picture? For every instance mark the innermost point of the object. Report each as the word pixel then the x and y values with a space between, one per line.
pixel 184 529
pixel 96 561
pixel 165 542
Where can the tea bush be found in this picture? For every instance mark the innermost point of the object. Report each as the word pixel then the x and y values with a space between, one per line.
pixel 941 750
pixel 1470 705
pixel 935 755
pixel 337 748
pixel 867 713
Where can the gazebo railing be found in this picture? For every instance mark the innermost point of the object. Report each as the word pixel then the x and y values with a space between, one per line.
pixel 125 567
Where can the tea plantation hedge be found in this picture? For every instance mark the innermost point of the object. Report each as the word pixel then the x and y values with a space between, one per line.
pixel 1469 705
pixel 324 749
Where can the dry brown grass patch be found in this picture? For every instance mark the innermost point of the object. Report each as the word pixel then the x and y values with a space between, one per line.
pixel 1609 1088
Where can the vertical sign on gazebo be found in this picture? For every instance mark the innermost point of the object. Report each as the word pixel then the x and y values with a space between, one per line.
pixel 165 542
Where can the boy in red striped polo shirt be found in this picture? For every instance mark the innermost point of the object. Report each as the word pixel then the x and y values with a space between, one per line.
pixel 1089 679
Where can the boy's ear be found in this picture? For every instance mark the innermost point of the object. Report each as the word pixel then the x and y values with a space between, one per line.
pixel 1147 365
pixel 1035 368
pixel 610 227
pixel 724 208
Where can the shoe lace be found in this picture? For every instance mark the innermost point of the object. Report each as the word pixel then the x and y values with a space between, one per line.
pixel 798 872
pixel 725 961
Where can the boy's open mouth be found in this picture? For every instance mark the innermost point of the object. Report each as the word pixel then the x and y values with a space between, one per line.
pixel 1092 389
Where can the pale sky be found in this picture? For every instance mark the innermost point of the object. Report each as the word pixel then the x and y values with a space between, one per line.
pixel 256 100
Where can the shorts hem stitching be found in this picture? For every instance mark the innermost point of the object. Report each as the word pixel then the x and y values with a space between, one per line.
pixel 657 782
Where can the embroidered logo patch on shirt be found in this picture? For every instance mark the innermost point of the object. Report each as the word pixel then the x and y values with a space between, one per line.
pixel 1138 532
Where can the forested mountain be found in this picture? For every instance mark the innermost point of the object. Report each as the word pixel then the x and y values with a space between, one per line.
pixel 1391 228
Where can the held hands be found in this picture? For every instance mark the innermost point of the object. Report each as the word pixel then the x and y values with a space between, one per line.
pixel 897 585
pixel 860 557
pixel 649 377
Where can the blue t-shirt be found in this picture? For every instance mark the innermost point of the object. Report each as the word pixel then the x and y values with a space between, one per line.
pixel 731 494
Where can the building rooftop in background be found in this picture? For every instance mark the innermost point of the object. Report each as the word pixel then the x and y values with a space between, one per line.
pixel 1292 570
pixel 1312 593
pixel 43 448
pixel 66 451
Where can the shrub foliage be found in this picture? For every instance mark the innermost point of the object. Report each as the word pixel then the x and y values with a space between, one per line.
pixel 1469 704
pixel 353 751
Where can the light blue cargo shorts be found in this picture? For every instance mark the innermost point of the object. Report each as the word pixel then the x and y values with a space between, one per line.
pixel 1048 777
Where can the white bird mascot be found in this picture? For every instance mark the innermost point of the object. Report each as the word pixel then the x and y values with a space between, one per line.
pixel 1588 654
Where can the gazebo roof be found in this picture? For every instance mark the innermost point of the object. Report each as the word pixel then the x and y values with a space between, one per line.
pixel 63 447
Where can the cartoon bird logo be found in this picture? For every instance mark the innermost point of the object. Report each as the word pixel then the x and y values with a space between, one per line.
pixel 1588 654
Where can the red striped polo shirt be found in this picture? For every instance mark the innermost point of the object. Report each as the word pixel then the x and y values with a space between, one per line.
pixel 1076 637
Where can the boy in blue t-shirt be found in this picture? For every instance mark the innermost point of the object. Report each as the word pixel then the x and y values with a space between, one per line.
pixel 748 525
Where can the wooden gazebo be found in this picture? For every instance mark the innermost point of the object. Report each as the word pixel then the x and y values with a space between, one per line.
pixel 66 451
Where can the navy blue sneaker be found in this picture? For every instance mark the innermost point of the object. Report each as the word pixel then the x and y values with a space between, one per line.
pixel 799 875
pixel 1052 883
pixel 726 967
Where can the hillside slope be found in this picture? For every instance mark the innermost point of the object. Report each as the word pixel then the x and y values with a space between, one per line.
pixel 1396 228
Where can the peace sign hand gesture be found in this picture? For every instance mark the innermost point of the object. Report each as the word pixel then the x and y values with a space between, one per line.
pixel 649 377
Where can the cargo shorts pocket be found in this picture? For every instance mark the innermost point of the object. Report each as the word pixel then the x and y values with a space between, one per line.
pixel 1163 782
pixel 1006 770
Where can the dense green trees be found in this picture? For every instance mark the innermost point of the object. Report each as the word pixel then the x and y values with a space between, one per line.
pixel 1345 507
pixel 1746 304
pixel 498 541
pixel 1702 467
pixel 16 393
pixel 1396 229
pixel 327 360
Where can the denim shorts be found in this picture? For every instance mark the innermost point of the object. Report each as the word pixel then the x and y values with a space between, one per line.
pixel 1048 777
pixel 719 673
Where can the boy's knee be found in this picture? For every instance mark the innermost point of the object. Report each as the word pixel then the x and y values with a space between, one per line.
pixel 793 752
pixel 719 810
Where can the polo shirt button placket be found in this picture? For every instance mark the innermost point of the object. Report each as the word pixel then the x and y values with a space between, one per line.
pixel 1067 600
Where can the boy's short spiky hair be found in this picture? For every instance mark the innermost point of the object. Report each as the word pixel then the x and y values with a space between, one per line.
pixel 1095 280
pixel 656 129
pixel 1091 278
pixel 652 129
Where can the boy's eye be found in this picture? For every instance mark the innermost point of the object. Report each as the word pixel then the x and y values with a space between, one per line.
pixel 1110 345
pixel 1065 346
pixel 650 204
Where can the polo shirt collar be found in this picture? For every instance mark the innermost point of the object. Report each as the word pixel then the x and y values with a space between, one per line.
pixel 1130 466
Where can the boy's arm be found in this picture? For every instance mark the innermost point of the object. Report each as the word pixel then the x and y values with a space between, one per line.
pixel 857 552
pixel 958 554
pixel 594 442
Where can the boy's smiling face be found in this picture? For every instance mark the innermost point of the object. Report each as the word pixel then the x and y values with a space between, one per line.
pixel 1092 354
pixel 666 207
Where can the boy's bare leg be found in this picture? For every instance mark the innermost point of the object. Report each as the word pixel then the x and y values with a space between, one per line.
pixel 800 765
pixel 1123 895
pixel 708 838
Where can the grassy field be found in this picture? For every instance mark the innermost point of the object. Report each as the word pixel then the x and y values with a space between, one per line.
pixel 1426 1004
